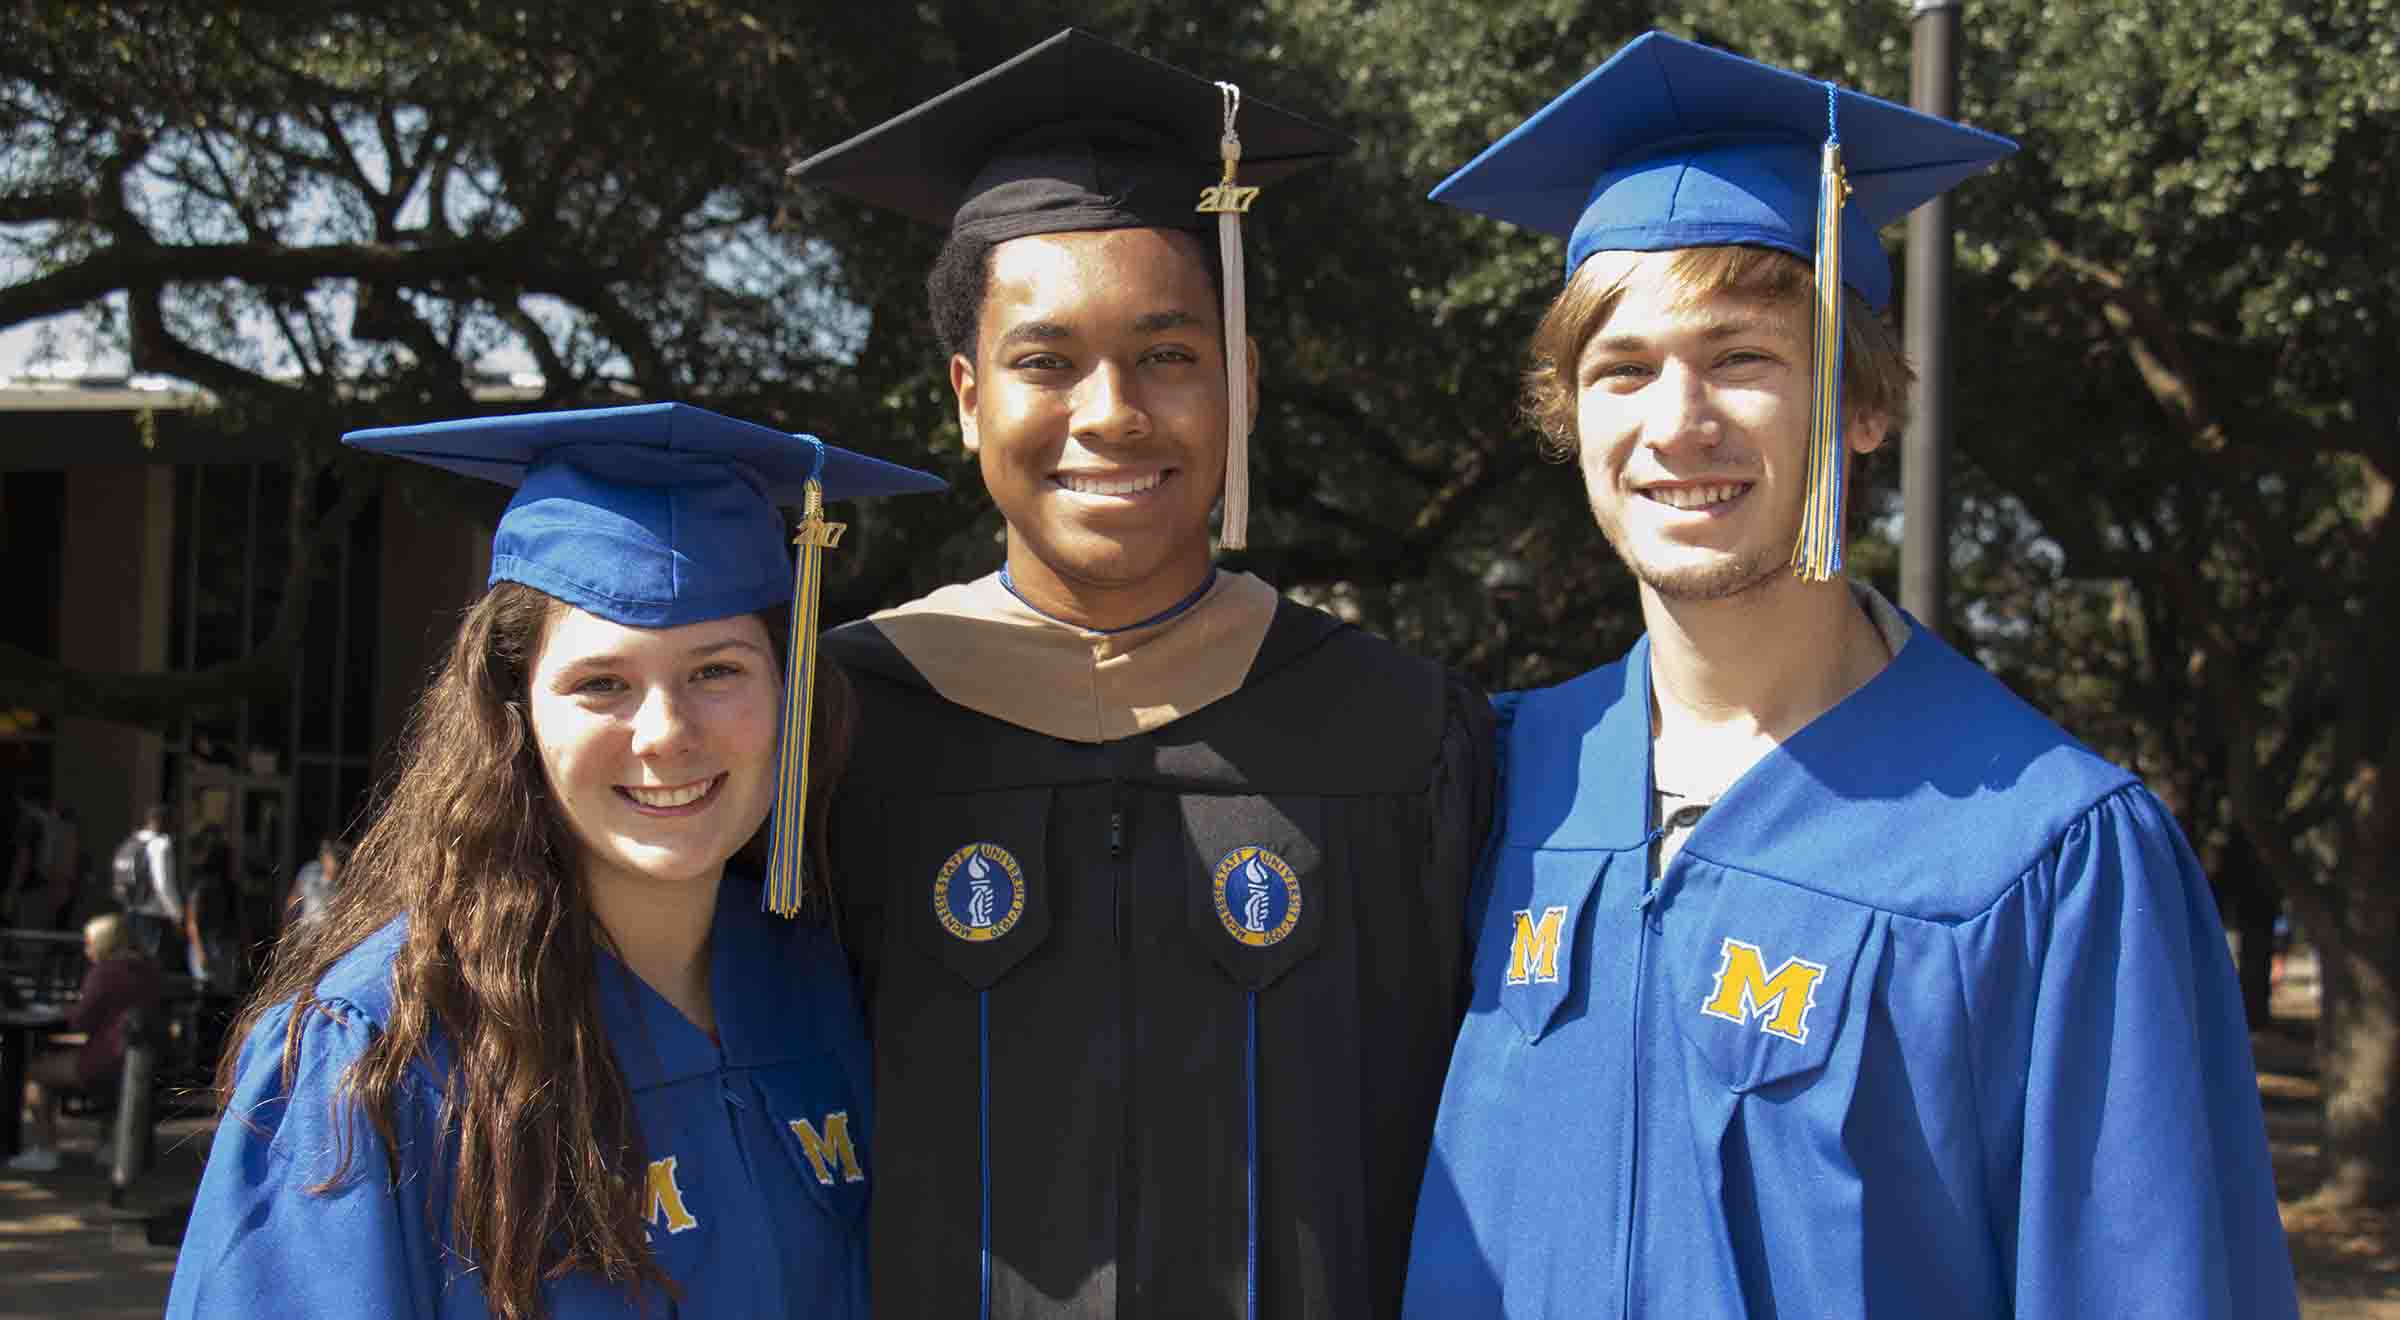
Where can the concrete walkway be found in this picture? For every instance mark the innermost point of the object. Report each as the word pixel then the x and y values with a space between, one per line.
pixel 65 1253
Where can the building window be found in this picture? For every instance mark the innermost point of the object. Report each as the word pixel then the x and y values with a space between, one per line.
pixel 260 781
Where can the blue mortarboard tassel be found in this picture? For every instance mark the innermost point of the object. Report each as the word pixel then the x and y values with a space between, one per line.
pixel 1818 555
pixel 787 863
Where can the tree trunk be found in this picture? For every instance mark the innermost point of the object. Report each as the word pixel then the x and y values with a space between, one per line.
pixel 2247 901
pixel 2358 1056
pixel 2253 913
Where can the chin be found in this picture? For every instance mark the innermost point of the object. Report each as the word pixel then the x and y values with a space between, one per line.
pixel 1718 578
pixel 1102 561
pixel 670 867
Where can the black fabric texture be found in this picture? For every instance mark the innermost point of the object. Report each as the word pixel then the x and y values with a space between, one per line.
pixel 1118 1001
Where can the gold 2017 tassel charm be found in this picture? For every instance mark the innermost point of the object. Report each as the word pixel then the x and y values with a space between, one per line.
pixel 787 865
pixel 1227 201
pixel 1818 555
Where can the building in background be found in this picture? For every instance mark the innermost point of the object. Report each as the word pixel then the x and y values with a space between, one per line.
pixel 139 540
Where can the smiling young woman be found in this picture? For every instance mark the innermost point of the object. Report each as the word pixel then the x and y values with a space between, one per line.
pixel 545 1055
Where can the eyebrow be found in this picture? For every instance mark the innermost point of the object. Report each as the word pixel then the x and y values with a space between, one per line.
pixel 1051 332
pixel 1034 332
pixel 1730 327
pixel 612 660
pixel 1171 319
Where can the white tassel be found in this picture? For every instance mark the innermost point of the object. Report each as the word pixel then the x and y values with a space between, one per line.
pixel 1228 200
pixel 1236 529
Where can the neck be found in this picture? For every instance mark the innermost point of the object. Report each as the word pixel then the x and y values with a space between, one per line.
pixel 1711 673
pixel 1104 606
pixel 660 932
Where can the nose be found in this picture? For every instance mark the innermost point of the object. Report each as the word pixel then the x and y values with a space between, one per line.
pixel 1108 406
pixel 660 724
pixel 1684 412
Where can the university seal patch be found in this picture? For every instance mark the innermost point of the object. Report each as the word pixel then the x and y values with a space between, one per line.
pixel 979 893
pixel 1257 897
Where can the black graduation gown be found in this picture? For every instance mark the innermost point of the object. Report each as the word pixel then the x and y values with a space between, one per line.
pixel 1165 1016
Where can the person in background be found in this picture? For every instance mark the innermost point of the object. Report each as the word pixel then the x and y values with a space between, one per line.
pixel 29 855
pixel 549 1055
pixel 144 882
pixel 46 869
pixel 1816 973
pixel 121 979
pixel 312 888
pixel 68 865
pixel 208 908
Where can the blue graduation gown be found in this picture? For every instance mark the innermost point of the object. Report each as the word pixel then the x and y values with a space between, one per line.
pixel 1931 1015
pixel 756 1151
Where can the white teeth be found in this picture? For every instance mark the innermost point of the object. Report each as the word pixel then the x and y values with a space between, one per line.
pixel 1104 486
pixel 1692 497
pixel 670 797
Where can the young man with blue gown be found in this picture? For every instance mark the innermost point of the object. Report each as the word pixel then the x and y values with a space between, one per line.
pixel 1815 974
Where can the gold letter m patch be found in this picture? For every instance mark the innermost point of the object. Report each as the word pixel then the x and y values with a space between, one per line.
pixel 1533 952
pixel 830 1151
pixel 665 1199
pixel 1780 1002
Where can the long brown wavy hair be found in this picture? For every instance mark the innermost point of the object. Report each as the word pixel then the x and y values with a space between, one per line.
pixel 498 958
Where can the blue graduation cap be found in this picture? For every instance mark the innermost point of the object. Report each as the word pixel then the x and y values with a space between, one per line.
pixel 657 515
pixel 1671 144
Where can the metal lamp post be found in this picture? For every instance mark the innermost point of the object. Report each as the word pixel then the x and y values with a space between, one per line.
pixel 1925 449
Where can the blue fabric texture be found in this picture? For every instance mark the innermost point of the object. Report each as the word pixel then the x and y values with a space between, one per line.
pixel 1671 144
pixel 650 515
pixel 1930 1016
pixel 756 1151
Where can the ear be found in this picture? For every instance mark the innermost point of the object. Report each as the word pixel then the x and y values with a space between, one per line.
pixel 962 384
pixel 1867 432
pixel 1250 350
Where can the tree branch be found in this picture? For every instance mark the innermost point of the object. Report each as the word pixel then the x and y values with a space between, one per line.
pixel 129 265
pixel 650 371
pixel 156 348
pixel 2151 341
pixel 1482 473
pixel 1354 423
pixel 557 381
pixel 55 204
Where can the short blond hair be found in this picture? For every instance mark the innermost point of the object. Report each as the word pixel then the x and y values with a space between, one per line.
pixel 1875 370
pixel 106 934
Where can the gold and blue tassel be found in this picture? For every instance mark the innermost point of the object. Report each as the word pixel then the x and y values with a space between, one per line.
pixel 1818 555
pixel 787 862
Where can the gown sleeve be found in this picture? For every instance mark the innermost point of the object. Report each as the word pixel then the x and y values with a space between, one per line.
pixel 1465 794
pixel 2144 1181
pixel 1502 720
pixel 263 1240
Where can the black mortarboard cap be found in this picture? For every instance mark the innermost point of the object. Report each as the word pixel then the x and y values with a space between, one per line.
pixel 1076 133
pixel 1080 134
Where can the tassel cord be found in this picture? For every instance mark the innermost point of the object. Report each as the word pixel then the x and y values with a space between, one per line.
pixel 786 858
pixel 1228 200
pixel 1817 557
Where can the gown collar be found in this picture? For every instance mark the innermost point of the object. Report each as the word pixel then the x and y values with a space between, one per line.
pixel 979 646
pixel 657 1045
